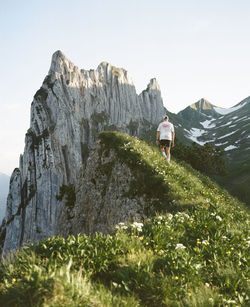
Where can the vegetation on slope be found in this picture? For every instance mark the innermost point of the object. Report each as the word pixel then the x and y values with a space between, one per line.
pixel 194 254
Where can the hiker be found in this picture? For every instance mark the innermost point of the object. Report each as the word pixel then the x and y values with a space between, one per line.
pixel 165 134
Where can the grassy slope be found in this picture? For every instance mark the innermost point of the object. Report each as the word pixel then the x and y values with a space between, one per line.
pixel 193 254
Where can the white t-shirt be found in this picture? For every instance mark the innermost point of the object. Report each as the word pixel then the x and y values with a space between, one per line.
pixel 166 129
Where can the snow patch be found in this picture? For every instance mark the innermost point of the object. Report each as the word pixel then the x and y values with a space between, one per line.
pixel 207 124
pixel 194 133
pixel 230 147
pixel 222 137
pixel 226 124
pixel 230 110
pixel 221 144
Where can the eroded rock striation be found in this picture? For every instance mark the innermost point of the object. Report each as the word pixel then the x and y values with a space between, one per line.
pixel 68 112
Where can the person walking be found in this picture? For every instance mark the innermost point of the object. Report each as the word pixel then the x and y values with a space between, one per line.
pixel 165 136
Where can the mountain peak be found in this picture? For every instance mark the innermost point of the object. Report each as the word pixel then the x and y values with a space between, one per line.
pixel 202 104
pixel 59 62
pixel 153 85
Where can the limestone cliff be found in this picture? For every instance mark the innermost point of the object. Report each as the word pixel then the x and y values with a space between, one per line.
pixel 68 112
pixel 102 196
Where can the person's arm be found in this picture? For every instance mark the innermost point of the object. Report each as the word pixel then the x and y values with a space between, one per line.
pixel 173 135
pixel 157 137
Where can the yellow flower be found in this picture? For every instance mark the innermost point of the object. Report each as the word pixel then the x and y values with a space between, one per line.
pixel 198 241
pixel 228 252
pixel 189 294
pixel 176 278
pixel 13 280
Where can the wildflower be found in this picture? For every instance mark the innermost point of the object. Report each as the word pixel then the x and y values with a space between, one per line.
pixel 207 284
pixel 137 225
pixel 189 294
pixel 198 241
pixel 121 226
pixel 180 246
pixel 218 218
pixel 228 252
pixel 170 216
pixel 176 278
pixel 205 242
pixel 197 266
pixel 13 280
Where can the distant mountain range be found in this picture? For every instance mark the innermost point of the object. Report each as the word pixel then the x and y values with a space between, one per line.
pixel 4 189
pixel 203 122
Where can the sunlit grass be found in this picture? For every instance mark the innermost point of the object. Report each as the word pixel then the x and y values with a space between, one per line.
pixel 193 252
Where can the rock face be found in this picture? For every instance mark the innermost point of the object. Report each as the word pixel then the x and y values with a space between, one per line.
pixel 4 188
pixel 198 112
pixel 68 112
pixel 102 196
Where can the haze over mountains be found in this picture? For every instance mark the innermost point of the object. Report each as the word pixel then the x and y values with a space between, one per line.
pixel 68 113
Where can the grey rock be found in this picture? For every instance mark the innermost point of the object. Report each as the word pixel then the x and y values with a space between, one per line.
pixel 102 196
pixel 68 112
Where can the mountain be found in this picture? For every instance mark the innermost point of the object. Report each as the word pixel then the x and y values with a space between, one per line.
pixel 68 112
pixel 4 189
pixel 230 130
pixel 198 112
pixel 180 240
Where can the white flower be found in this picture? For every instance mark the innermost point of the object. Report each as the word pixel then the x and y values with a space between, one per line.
pixel 180 246
pixel 197 266
pixel 170 216
pixel 160 217
pixel 138 226
pixel 218 218
pixel 121 226
pixel 207 284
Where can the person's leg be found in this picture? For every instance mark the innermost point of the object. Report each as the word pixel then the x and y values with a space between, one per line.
pixel 168 153
pixel 163 151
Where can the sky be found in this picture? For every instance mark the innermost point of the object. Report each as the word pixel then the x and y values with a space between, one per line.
pixel 194 48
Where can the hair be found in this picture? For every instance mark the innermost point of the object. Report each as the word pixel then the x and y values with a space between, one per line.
pixel 165 117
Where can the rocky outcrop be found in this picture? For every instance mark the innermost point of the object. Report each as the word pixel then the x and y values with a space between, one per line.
pixel 102 196
pixel 68 112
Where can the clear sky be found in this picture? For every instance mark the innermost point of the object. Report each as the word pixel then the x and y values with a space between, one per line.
pixel 195 49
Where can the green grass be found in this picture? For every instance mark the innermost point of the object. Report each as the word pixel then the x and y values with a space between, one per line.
pixel 192 251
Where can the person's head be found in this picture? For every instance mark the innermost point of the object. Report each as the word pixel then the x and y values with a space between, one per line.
pixel 165 118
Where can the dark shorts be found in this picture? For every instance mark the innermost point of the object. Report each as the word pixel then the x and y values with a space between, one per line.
pixel 165 143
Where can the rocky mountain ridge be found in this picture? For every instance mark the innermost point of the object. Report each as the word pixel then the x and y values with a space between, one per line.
pixel 68 112
pixel 228 129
